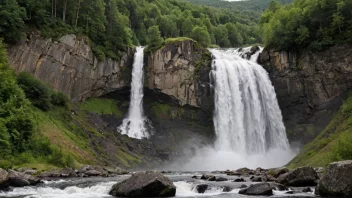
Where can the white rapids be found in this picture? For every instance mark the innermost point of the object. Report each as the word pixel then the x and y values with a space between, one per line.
pixel 134 124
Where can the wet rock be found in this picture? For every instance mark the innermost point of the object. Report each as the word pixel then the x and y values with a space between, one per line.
pixel 93 173
pixel 227 189
pixel 270 178
pixel 243 186
pixel 68 172
pixel 145 184
pixel 18 179
pixel 257 189
pixel 308 189
pixel 276 172
pixel 304 176
pixel 257 179
pixel 219 179
pixel 195 177
pixel 201 188
pixel 239 180
pixel 233 173
pixel 165 172
pixel 51 173
pixel 116 171
pixel 3 178
pixel 278 187
pixel 208 177
pixel 28 171
pixel 337 180
pixel 320 171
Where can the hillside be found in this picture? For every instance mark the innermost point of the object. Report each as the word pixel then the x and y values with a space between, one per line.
pixel 332 144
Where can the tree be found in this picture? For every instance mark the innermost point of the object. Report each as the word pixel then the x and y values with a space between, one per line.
pixel 11 21
pixel 154 39
pixel 201 35
pixel 222 36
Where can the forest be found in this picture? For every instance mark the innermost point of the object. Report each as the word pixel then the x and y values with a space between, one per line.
pixel 112 25
pixel 307 24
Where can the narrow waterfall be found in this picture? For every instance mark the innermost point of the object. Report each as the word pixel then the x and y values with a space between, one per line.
pixel 247 117
pixel 134 124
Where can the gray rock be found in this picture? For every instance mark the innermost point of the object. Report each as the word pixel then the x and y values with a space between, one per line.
pixel 50 173
pixel 243 186
pixel 18 179
pixel 276 172
pixel 227 189
pixel 93 173
pixel 257 189
pixel 145 184
pixel 239 180
pixel 219 179
pixel 201 188
pixel 257 179
pixel 337 180
pixel 68 172
pixel 4 175
pixel 308 189
pixel 304 176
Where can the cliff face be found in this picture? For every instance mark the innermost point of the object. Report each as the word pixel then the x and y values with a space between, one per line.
pixel 310 86
pixel 69 66
pixel 181 70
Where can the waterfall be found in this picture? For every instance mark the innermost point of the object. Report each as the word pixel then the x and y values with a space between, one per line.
pixel 247 117
pixel 134 124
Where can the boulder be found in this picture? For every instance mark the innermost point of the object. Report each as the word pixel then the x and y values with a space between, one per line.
pixel 243 186
pixel 257 179
pixel 276 172
pixel 93 173
pixel 239 180
pixel 308 189
pixel 201 188
pixel 51 173
pixel 208 177
pixel 28 171
pixel 279 187
pixel 68 172
pixel 18 179
pixel 219 179
pixel 227 189
pixel 145 184
pixel 337 180
pixel 3 176
pixel 257 189
pixel 304 176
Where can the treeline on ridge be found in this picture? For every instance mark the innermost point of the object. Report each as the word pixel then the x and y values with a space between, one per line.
pixel 112 25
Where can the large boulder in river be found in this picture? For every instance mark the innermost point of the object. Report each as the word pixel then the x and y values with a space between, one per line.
pixel 3 176
pixel 258 189
pixel 18 179
pixel 145 184
pixel 337 180
pixel 304 176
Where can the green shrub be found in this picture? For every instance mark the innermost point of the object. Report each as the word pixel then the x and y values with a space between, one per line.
pixel 343 148
pixel 5 164
pixel 35 90
pixel 59 99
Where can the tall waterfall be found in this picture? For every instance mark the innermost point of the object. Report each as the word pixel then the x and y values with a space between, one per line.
pixel 247 117
pixel 134 124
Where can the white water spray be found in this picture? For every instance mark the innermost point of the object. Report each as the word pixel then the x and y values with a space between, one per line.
pixel 247 118
pixel 134 124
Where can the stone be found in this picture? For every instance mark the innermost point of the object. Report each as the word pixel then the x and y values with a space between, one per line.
pixel 3 176
pixel 278 187
pixel 243 186
pixel 18 179
pixel 304 176
pixel 276 172
pixel 208 177
pixel 50 173
pixel 257 189
pixel 307 189
pixel 68 172
pixel 227 189
pixel 201 188
pixel 93 173
pixel 145 184
pixel 239 180
pixel 219 179
pixel 337 180
pixel 257 179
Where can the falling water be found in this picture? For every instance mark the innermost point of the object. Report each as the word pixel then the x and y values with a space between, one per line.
pixel 247 117
pixel 134 124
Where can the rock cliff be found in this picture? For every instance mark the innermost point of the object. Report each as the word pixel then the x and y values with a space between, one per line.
pixel 68 65
pixel 310 86
pixel 181 70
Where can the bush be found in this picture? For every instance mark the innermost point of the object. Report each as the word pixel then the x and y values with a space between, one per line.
pixel 35 90
pixel 59 99
pixel 5 164
pixel 343 149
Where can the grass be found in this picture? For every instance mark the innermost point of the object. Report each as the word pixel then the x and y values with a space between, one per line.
pixel 102 106
pixel 332 144
pixel 178 39
pixel 128 159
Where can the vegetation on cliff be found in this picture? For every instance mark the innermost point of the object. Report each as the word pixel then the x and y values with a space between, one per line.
pixel 333 144
pixel 306 23
pixel 112 25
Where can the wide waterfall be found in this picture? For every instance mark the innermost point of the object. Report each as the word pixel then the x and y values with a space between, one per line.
pixel 247 117
pixel 134 124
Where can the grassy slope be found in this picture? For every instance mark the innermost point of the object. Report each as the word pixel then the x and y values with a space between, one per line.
pixel 333 144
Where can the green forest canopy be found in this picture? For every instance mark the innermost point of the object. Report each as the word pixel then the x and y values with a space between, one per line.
pixel 112 25
pixel 306 23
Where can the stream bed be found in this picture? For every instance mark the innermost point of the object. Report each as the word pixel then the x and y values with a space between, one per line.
pixel 99 187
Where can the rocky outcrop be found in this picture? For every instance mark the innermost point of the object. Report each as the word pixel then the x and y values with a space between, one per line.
pixel 68 65
pixel 181 70
pixel 310 86
pixel 145 184
pixel 337 180
pixel 304 176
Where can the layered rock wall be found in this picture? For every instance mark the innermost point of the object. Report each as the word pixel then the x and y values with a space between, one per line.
pixel 68 65
pixel 310 86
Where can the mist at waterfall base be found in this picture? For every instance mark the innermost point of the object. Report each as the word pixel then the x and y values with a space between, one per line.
pixel 247 119
pixel 134 125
